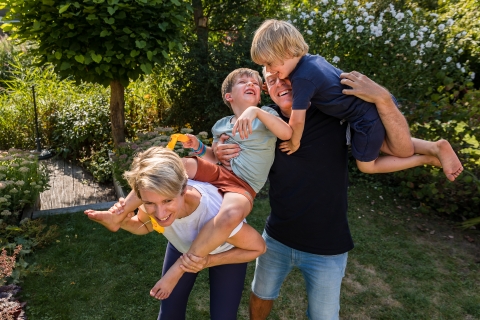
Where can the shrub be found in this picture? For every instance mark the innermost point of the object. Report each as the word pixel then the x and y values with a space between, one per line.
pixel 401 50
pixel 124 154
pixel 22 179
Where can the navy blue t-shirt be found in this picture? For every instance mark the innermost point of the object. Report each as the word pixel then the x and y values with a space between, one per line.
pixel 308 189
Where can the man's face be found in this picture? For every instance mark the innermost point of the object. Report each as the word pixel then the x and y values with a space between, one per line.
pixel 280 90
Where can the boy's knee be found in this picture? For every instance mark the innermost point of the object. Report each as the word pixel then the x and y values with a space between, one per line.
pixel 230 216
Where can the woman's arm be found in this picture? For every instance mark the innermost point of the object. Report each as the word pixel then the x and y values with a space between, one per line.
pixel 137 224
pixel 248 243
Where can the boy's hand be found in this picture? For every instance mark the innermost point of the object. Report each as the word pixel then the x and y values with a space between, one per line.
pixel 192 263
pixel 243 125
pixel 192 142
pixel 289 147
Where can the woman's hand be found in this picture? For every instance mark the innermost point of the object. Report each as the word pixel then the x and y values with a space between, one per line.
pixel 243 125
pixel 193 264
pixel 226 152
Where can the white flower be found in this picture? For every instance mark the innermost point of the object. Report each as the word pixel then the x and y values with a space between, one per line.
pixel 19 183
pixel 418 61
pixel 472 75
pixel 358 19
pixel 464 33
pixel 325 20
pixel 325 2
pixel 402 37
pixel 441 27
pixel 14 190
pixel 337 16
pixel 295 21
pixel 369 54
pixel 329 33
pixel 360 28
pixel 369 4
pixel 2 199
pixel 356 3
pixel 411 35
pixel 458 65
pixel 424 29
pixel 460 51
pixel 433 15
pixel 349 27
pixel 337 37
pixel 340 2
pixel 450 22
pixel 313 13
pixel 400 16
pixel 23 169
pixel 309 32
pixel 413 43
pixel 288 16
pixel 428 44
pixel 310 22
pixel 336 59
pixel 448 59
pixel 432 36
pixel 5 213
pixel 345 21
pixel 387 42
pixel 410 13
pixel 26 191
pixel 462 69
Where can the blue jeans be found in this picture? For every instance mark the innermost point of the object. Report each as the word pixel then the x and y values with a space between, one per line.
pixel 323 277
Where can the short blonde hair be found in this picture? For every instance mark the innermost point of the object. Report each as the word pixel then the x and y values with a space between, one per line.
pixel 277 40
pixel 229 81
pixel 159 170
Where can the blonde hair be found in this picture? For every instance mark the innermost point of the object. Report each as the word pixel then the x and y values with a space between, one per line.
pixel 229 81
pixel 159 170
pixel 277 40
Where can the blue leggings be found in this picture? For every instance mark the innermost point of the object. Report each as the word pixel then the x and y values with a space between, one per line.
pixel 226 286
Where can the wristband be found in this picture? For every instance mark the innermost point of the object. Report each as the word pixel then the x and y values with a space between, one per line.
pixel 200 146
pixel 202 152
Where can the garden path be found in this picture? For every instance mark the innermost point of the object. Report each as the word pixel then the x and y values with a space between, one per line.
pixel 72 189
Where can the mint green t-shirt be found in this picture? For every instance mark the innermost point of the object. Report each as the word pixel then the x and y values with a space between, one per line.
pixel 258 150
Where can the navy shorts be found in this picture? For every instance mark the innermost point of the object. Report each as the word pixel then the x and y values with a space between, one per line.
pixel 368 134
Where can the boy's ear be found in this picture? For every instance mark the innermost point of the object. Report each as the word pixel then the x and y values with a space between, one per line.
pixel 228 96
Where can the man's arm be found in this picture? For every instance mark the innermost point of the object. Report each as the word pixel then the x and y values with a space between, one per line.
pixel 277 126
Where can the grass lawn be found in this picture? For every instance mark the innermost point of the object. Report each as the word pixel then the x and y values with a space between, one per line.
pixel 404 266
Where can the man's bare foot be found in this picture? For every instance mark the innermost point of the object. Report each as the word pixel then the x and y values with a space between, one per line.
pixel 452 167
pixel 109 220
pixel 164 287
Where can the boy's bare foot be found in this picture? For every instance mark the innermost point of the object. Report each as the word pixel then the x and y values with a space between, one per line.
pixel 164 287
pixel 452 167
pixel 109 220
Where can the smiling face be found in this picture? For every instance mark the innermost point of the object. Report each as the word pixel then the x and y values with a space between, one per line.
pixel 163 209
pixel 245 91
pixel 282 67
pixel 280 90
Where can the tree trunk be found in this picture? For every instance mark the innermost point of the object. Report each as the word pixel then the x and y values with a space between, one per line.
pixel 201 29
pixel 117 111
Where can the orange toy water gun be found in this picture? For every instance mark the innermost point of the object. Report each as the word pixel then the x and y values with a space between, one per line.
pixel 176 137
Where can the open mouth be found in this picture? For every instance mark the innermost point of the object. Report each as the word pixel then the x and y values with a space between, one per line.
pixel 165 219
pixel 249 91
pixel 281 94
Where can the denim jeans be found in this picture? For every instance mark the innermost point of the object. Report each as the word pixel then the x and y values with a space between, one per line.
pixel 323 276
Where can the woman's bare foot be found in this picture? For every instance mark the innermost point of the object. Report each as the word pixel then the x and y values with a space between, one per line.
pixel 452 167
pixel 109 220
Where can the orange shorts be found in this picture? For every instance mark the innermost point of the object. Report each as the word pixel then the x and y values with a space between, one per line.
pixel 224 180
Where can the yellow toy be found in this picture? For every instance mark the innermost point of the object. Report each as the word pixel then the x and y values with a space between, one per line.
pixel 176 137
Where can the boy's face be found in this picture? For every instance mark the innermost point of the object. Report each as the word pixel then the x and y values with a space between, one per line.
pixel 282 67
pixel 246 89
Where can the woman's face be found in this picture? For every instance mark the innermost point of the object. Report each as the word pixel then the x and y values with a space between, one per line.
pixel 163 209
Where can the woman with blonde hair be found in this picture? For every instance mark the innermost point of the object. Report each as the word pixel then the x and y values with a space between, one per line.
pixel 179 207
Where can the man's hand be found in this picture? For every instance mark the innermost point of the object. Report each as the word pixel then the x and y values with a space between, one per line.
pixel 193 264
pixel 226 152
pixel 243 125
pixel 364 88
pixel 192 142
pixel 288 147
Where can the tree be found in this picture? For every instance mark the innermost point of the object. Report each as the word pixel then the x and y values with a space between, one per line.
pixel 103 41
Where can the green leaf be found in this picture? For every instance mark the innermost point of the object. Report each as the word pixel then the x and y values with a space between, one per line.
pixel 119 56
pixel 71 26
pixel 147 68
pixel 64 8
pixel 48 2
pixel 36 25
pixel 58 55
pixel 112 10
pixel 163 26
pixel 175 2
pixel 80 58
pixel 96 57
pixel 92 17
pixel 109 20
pixel 165 54
pixel 134 53
pixel 140 44
pixel 105 33
pixel 149 55
pixel 127 30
